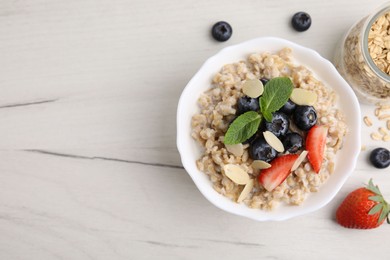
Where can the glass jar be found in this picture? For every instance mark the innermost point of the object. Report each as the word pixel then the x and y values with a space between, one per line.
pixel 361 55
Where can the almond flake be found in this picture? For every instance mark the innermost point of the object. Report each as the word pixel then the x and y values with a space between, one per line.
pixel 236 149
pixel 388 124
pixel 253 88
pixel 259 165
pixel 299 160
pixel 303 97
pixel 245 192
pixel 386 138
pixel 236 174
pixel 273 141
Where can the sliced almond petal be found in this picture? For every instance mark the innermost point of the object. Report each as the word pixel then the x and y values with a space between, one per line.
pixel 253 88
pixel 236 149
pixel 303 97
pixel 236 174
pixel 260 165
pixel 273 141
pixel 299 160
pixel 245 192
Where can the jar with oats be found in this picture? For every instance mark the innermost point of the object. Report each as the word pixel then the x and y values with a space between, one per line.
pixel 363 58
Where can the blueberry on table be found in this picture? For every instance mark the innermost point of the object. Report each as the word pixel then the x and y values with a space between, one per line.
pixel 279 124
pixel 292 142
pixel 245 104
pixel 261 150
pixel 301 21
pixel 288 108
pixel 222 31
pixel 380 158
pixel 305 117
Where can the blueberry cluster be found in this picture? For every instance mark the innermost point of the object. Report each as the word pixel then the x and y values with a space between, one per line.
pixel 304 117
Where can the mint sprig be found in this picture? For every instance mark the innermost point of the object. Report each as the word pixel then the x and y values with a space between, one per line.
pixel 276 93
pixel 242 128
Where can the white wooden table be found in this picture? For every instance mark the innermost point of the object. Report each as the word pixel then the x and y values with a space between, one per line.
pixel 88 162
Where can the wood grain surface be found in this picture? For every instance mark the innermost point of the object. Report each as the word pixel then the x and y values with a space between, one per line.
pixel 88 162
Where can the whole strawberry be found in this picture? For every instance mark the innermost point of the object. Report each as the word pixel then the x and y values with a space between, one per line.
pixel 363 208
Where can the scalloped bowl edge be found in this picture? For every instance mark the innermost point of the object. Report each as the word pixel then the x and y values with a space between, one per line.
pixel 323 70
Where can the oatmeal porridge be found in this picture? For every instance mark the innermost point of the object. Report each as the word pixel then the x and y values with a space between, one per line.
pixel 234 170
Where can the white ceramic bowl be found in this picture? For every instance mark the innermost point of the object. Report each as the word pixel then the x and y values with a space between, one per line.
pixel 190 151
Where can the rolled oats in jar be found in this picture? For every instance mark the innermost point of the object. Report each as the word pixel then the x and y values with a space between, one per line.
pixel 363 58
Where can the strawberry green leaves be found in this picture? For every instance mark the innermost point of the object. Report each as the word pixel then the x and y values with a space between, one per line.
pixel 382 206
pixel 276 93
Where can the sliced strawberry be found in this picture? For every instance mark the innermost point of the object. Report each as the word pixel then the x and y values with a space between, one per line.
pixel 280 168
pixel 315 145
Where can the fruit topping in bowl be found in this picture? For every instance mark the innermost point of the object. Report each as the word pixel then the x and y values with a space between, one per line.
pixel 305 117
pixel 261 150
pixel 280 168
pixel 268 146
pixel 315 144
pixel 279 124
pixel 293 142
pixel 288 108
pixel 245 104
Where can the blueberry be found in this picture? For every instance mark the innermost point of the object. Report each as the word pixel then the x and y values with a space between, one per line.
pixel 380 158
pixel 261 150
pixel 301 21
pixel 305 117
pixel 264 81
pixel 222 31
pixel 279 124
pixel 288 108
pixel 250 139
pixel 292 142
pixel 245 104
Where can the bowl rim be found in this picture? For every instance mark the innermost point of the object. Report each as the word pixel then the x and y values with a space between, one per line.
pixel 217 199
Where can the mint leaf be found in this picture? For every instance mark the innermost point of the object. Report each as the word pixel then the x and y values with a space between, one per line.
pixel 242 128
pixel 276 93
pixel 268 116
